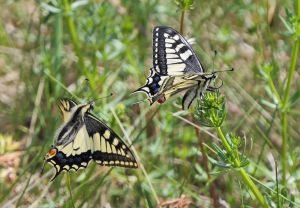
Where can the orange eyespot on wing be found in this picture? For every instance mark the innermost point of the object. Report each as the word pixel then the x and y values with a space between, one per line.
pixel 52 152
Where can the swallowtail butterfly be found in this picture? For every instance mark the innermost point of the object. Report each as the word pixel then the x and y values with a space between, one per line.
pixel 176 68
pixel 83 138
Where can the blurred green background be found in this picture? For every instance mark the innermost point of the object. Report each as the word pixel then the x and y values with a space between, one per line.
pixel 49 48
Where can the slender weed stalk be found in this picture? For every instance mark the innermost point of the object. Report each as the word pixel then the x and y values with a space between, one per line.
pixel 292 24
pixel 73 33
pixel 129 140
pixel 69 189
pixel 285 107
pixel 185 5
pixel 211 112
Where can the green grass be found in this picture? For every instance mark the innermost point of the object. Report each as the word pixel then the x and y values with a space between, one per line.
pixel 49 48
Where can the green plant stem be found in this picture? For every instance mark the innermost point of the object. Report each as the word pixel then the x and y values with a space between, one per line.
pixel 212 188
pixel 242 172
pixel 69 189
pixel 291 73
pixel 181 21
pixel 73 34
pixel 284 135
pixel 284 107
pixel 61 85
pixel 137 157
pixel 273 88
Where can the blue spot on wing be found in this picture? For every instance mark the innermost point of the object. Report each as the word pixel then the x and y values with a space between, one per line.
pixel 152 86
pixel 156 78
pixel 62 160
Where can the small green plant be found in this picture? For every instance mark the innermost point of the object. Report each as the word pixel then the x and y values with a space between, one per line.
pixel 284 102
pixel 184 5
pixel 211 112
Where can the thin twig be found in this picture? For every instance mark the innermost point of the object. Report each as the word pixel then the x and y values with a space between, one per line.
pixel 212 187
pixel 195 125
pixel 246 178
pixel 136 155
pixel 74 35
pixel 23 191
pixel 69 189
pixel 181 21
pixel 274 192
pixel 35 111
pixel 32 184
pixel 60 84
pixel 284 125
pixel 38 200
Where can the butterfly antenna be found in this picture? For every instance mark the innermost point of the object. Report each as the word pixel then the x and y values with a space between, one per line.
pixel 141 101
pixel 213 64
pixel 107 96
pixel 219 71
pixel 85 85
pixel 214 58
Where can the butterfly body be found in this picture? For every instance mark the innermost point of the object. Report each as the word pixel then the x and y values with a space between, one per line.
pixel 84 138
pixel 176 68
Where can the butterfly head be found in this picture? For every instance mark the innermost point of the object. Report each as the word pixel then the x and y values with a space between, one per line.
pixel 84 108
pixel 91 105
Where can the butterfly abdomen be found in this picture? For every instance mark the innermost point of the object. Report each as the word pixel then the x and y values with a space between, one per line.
pixel 162 99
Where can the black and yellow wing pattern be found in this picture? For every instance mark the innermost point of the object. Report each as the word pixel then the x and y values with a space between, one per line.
pixel 176 68
pixel 84 138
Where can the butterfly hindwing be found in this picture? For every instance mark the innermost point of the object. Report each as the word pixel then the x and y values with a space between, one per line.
pixel 73 148
pixel 153 84
pixel 189 97
pixel 62 162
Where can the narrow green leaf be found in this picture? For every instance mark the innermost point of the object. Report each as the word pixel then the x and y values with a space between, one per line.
pixel 78 4
pixel 50 8
pixel 295 97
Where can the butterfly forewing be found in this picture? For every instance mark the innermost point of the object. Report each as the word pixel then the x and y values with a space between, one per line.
pixel 108 148
pixel 65 105
pixel 172 54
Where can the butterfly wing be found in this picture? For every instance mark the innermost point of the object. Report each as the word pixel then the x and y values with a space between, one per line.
pixel 108 149
pixel 172 54
pixel 153 84
pixel 88 139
